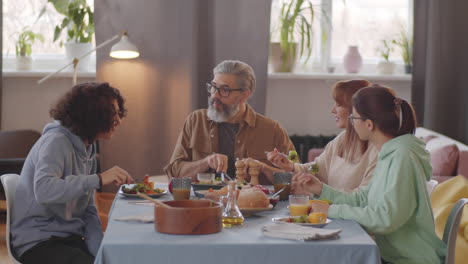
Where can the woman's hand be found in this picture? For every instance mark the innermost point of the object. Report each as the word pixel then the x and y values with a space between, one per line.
pixel 280 160
pixel 305 183
pixel 117 176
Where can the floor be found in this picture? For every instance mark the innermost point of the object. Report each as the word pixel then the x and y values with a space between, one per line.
pixel 3 250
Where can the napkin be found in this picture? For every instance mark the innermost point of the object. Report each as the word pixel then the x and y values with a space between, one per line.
pixel 297 232
pixel 145 218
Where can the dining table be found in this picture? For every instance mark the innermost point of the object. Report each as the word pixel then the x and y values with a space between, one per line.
pixel 136 242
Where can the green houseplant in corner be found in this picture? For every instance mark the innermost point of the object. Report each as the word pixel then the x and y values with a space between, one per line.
pixel 78 23
pixel 23 47
pixel 294 30
pixel 405 42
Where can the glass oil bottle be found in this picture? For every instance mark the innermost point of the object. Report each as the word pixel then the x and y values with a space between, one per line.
pixel 232 216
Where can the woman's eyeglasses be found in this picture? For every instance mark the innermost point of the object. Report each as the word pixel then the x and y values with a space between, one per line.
pixel 351 118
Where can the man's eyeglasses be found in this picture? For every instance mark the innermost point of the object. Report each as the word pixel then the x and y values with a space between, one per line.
pixel 224 92
pixel 351 118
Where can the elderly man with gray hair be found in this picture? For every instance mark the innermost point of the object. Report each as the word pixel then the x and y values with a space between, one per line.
pixel 212 139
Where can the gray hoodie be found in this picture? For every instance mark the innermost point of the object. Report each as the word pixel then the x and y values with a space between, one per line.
pixel 55 192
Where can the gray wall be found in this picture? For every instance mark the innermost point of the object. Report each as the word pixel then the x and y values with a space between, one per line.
pixel 180 42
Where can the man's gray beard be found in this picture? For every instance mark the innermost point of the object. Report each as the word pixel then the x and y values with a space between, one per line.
pixel 227 113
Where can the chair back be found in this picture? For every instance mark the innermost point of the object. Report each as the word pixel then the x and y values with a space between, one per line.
pixel 9 182
pixel 17 143
pixel 451 229
pixel 430 186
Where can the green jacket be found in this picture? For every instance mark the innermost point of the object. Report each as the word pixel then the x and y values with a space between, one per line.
pixel 395 206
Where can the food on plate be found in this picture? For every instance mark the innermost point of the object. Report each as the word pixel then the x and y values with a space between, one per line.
pixel 247 197
pixel 220 192
pixel 274 200
pixel 317 218
pixel 262 188
pixel 141 188
pixel 252 198
pixel 312 218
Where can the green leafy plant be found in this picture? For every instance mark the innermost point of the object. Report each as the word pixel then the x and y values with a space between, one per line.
pixel 26 39
pixel 296 19
pixel 78 21
pixel 405 43
pixel 385 50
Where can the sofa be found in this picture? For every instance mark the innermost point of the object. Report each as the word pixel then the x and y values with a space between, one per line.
pixel 448 156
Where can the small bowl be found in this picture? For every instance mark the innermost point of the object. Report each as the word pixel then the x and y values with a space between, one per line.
pixel 274 200
pixel 188 217
pixel 202 187
pixel 206 178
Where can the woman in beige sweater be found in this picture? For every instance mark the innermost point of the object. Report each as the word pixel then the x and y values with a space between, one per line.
pixel 347 162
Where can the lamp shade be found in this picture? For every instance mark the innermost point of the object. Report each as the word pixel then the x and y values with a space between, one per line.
pixel 124 49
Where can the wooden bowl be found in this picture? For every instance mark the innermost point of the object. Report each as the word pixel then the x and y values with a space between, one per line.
pixel 189 217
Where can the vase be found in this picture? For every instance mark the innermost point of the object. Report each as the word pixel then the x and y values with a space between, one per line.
pixel 24 63
pixel 278 58
pixel 76 50
pixel 385 67
pixel 352 60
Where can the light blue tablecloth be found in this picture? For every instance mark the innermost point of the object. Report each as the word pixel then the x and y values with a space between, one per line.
pixel 138 243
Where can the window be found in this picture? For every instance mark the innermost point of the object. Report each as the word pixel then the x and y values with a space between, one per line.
pixel 364 23
pixel 18 14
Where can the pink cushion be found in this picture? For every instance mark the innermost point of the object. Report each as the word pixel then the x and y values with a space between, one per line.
pixel 444 160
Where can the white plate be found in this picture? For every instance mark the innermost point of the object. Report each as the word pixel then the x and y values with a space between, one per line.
pixel 156 195
pixel 284 220
pixel 251 211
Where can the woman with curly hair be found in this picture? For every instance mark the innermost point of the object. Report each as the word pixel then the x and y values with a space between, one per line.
pixel 54 218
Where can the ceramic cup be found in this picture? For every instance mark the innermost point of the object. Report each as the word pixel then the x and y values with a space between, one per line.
pixel 207 178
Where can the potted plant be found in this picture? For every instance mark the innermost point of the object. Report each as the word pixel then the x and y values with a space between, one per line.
pixel 23 48
pixel 78 24
pixel 405 43
pixel 295 20
pixel 385 66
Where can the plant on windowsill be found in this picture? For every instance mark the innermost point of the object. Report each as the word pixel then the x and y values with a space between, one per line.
pixel 295 20
pixel 23 47
pixel 78 24
pixel 405 43
pixel 385 66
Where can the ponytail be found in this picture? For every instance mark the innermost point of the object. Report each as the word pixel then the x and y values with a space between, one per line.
pixel 408 118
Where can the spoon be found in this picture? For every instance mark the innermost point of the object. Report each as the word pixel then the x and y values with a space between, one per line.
pixel 276 193
pixel 144 196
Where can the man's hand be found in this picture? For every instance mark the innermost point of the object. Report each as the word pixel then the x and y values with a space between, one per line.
pixel 117 176
pixel 219 162
pixel 304 183
pixel 280 160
